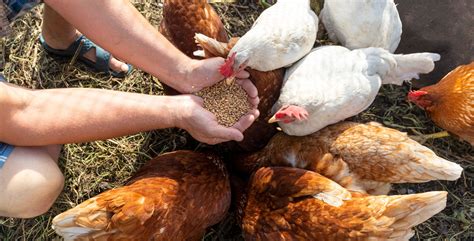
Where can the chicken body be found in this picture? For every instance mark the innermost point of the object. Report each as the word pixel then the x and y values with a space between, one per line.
pixel 175 196
pixel 450 102
pixel 333 83
pixel 268 85
pixel 363 24
pixel 360 157
pixel 182 19
pixel 295 204
pixel 280 36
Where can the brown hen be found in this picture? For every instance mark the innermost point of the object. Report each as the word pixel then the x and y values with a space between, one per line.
pixel 268 85
pixel 360 157
pixel 182 19
pixel 294 204
pixel 175 196
pixel 450 102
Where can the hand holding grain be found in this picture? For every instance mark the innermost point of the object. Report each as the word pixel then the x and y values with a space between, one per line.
pixel 203 125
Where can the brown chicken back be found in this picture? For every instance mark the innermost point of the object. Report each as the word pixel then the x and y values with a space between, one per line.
pixel 450 102
pixel 268 85
pixel 175 196
pixel 182 19
pixel 294 204
pixel 360 157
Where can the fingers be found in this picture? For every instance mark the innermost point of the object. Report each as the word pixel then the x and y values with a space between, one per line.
pixel 248 86
pixel 246 120
pixel 251 90
pixel 227 134
pixel 243 74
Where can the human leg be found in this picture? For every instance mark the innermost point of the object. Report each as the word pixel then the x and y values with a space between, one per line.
pixel 30 181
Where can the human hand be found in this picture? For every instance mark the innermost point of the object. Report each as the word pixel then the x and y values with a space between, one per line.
pixel 204 73
pixel 202 124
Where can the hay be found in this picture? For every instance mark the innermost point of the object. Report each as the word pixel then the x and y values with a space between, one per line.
pixel 92 168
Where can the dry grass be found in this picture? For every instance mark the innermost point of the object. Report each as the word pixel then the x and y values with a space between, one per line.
pixel 92 168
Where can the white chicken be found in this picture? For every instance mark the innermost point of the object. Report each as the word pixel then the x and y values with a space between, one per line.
pixel 280 36
pixel 333 83
pixel 363 23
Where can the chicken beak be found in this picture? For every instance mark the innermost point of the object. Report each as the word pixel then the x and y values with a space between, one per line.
pixel 230 80
pixel 272 120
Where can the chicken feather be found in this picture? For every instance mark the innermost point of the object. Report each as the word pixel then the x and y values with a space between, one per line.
pixel 175 196
pixel 182 19
pixel 363 24
pixel 450 103
pixel 360 157
pixel 280 36
pixel 277 216
pixel 333 83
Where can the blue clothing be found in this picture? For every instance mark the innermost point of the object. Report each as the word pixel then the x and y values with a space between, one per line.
pixel 5 151
pixel 11 9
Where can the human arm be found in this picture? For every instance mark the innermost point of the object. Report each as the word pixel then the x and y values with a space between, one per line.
pixel 118 27
pixel 59 116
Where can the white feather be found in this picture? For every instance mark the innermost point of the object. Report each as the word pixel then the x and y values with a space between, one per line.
pixel 280 36
pixel 363 23
pixel 333 83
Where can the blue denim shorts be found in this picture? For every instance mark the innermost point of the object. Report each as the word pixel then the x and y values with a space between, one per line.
pixel 5 151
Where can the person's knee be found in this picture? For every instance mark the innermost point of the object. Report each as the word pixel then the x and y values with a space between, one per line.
pixel 32 185
pixel 43 194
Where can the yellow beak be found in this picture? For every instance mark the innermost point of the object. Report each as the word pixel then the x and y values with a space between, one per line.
pixel 272 120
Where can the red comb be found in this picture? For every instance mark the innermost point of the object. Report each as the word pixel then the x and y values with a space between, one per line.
pixel 226 69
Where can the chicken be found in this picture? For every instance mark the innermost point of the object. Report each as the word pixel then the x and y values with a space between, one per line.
pixel 268 85
pixel 333 83
pixel 281 35
pixel 295 204
pixel 360 157
pixel 450 103
pixel 182 19
pixel 363 24
pixel 175 196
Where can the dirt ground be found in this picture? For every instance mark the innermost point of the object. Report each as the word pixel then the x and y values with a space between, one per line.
pixel 91 168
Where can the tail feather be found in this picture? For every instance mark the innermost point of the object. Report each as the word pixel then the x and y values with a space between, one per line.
pixel 411 210
pixel 428 166
pixel 409 66
pixel 77 222
pixel 212 47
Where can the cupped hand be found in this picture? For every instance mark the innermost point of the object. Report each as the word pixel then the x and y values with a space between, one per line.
pixel 203 126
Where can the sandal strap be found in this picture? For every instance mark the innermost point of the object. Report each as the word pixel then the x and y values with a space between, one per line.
pixel 102 57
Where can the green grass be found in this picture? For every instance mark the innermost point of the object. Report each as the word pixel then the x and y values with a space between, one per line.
pixel 91 168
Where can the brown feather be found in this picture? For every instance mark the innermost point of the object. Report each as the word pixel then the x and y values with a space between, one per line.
pixel 175 196
pixel 271 212
pixel 360 157
pixel 182 19
pixel 453 102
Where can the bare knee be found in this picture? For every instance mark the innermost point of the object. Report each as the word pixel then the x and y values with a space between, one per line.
pixel 30 181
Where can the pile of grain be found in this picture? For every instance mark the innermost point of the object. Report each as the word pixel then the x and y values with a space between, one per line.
pixel 227 102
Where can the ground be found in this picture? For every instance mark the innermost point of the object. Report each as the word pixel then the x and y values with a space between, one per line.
pixel 92 168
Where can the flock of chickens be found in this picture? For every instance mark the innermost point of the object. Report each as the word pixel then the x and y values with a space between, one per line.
pixel 322 178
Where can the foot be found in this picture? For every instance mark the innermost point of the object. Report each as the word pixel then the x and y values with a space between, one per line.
pixel 65 41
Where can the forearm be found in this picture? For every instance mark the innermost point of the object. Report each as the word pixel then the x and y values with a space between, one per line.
pixel 118 27
pixel 60 116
